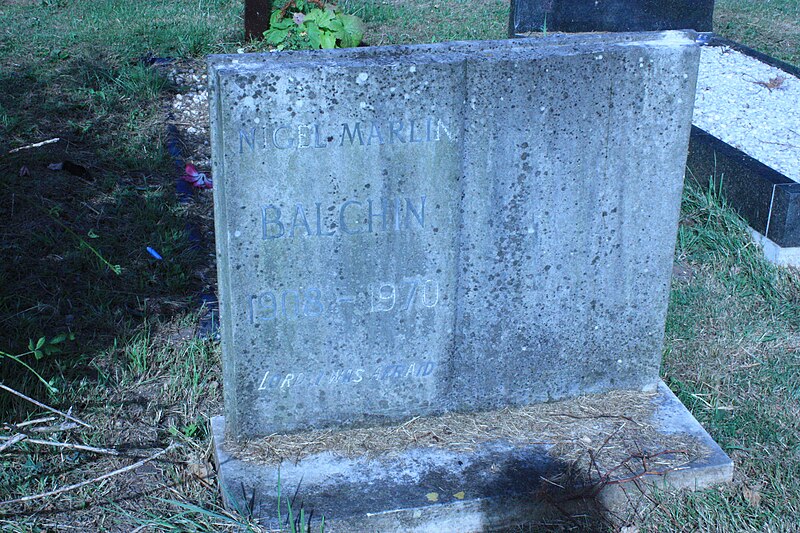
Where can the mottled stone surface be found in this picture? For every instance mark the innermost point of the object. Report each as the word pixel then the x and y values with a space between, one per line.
pixel 416 229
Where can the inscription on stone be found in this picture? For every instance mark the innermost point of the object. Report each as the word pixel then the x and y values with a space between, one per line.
pixel 312 302
pixel 381 375
pixel 290 136
pixel 351 217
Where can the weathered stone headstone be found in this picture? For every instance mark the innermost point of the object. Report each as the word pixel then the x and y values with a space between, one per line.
pixel 609 15
pixel 416 230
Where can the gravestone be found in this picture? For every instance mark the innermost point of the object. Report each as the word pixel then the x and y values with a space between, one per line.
pixel 609 15
pixel 412 231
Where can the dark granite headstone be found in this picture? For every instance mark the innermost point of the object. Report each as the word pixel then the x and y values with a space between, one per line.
pixel 574 16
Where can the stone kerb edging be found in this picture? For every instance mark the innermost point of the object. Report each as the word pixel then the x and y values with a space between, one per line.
pixel 767 199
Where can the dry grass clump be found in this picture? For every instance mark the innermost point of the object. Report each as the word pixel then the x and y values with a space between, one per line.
pixel 598 432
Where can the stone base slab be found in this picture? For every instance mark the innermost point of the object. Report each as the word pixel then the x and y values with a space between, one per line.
pixel 774 253
pixel 496 484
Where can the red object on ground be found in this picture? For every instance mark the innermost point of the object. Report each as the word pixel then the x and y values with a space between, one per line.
pixel 197 179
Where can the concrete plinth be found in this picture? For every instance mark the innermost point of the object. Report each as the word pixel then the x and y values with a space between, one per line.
pixel 494 484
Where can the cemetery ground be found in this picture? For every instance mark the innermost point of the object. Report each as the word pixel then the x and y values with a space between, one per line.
pixel 75 260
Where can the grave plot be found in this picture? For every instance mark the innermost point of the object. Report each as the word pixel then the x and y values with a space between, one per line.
pixel 746 138
pixel 421 239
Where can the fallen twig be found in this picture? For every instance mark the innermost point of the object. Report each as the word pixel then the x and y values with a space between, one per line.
pixel 606 478
pixel 43 406
pixel 68 488
pixel 29 422
pixel 12 441
pixel 34 145
pixel 591 417
pixel 65 426
pixel 105 451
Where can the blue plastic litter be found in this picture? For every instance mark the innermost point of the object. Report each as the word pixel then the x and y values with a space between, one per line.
pixel 154 254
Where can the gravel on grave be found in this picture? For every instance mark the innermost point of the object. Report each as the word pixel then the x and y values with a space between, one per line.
pixel 188 111
pixel 751 106
pixel 748 104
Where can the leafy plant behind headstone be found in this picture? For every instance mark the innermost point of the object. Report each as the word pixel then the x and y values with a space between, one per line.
pixel 311 25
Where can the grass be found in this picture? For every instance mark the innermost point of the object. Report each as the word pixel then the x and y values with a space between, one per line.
pixel 732 355
pixel 770 26
pixel 430 21
pixel 73 69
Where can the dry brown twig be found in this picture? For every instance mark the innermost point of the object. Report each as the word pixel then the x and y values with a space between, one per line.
pixel 107 475
pixel 773 83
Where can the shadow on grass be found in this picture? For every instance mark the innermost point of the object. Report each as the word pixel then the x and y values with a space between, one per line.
pixel 74 247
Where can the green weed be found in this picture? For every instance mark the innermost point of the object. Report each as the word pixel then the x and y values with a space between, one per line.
pixel 43 347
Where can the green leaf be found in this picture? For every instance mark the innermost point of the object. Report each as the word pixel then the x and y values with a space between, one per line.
pixel 30 344
pixel 40 343
pixel 275 17
pixel 51 350
pixel 328 40
pixel 278 22
pixel 275 37
pixel 283 24
pixel 58 339
pixel 38 354
pixel 324 18
pixel 312 16
pixel 314 35
pixel 337 28
pixel 353 30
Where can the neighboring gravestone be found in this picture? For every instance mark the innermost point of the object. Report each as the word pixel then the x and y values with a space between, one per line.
pixel 414 230
pixel 609 15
